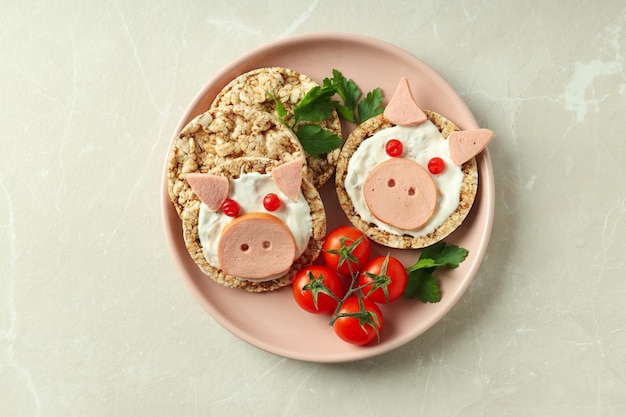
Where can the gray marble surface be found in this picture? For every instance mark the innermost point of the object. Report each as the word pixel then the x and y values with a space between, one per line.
pixel 94 320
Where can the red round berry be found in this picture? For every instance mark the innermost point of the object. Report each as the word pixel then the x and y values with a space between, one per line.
pixel 436 165
pixel 271 202
pixel 230 207
pixel 394 148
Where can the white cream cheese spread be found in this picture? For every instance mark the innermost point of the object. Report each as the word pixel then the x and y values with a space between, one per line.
pixel 420 144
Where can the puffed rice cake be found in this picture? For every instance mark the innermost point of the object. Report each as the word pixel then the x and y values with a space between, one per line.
pixel 233 169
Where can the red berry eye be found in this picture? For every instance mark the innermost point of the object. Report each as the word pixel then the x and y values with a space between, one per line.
pixel 436 165
pixel 271 202
pixel 230 207
pixel 394 148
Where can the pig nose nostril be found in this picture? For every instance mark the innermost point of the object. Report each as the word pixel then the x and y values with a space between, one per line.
pixel 266 244
pixel 391 183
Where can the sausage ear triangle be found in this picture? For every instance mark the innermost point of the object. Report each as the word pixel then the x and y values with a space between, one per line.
pixel 288 178
pixel 212 190
pixel 466 144
pixel 402 109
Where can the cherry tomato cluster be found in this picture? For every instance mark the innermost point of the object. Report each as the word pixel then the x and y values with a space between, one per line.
pixel 356 317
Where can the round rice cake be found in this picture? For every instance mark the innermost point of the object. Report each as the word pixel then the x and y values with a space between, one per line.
pixel 467 195
pixel 253 89
pixel 233 169
pixel 225 133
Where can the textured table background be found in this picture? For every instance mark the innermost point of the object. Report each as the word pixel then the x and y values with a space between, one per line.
pixel 94 320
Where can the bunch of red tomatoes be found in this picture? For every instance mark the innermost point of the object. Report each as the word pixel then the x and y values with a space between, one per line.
pixel 351 285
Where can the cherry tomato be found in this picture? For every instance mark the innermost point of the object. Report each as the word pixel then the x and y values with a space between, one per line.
pixel 344 252
pixel 359 321
pixel 383 279
pixel 311 287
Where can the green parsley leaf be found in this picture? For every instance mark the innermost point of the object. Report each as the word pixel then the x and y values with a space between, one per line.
pixel 317 141
pixel 421 282
pixel 346 113
pixel 440 254
pixel 370 105
pixel 352 109
pixel 280 109
pixel 316 105
pixel 349 93
pixel 423 285
pixel 347 89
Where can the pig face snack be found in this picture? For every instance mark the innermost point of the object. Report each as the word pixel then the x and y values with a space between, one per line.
pixel 252 223
pixel 408 177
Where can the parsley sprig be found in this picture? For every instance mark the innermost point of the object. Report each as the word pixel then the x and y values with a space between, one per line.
pixel 422 283
pixel 352 109
pixel 318 104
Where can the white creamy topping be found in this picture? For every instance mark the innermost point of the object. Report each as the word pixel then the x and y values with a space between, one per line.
pixel 421 143
pixel 248 191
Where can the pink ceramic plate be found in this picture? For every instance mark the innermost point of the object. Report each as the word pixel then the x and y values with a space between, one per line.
pixel 273 321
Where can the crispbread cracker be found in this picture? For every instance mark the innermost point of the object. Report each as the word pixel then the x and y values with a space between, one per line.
pixel 224 133
pixel 468 188
pixel 233 169
pixel 253 89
